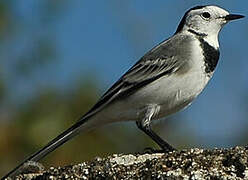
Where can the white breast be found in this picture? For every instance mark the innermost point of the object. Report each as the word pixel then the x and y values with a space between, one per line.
pixel 176 91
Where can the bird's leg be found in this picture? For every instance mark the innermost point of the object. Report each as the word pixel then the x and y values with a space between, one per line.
pixel 145 126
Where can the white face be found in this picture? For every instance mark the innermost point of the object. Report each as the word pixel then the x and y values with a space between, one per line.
pixel 207 20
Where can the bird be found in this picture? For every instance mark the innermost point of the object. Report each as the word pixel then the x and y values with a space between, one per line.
pixel 162 82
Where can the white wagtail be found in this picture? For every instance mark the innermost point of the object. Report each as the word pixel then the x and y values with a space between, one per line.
pixel 165 80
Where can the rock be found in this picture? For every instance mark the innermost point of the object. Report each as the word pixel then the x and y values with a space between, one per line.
pixel 193 164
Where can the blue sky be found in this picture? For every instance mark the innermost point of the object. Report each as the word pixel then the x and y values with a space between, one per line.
pixel 103 39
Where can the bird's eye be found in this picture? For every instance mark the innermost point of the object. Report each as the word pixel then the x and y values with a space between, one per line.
pixel 206 15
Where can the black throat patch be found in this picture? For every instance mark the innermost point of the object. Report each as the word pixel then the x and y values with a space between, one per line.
pixel 211 56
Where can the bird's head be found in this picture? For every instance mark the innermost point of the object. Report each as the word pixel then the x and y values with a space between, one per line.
pixel 206 20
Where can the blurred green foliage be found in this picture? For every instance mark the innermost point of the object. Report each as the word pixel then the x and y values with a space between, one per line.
pixel 28 123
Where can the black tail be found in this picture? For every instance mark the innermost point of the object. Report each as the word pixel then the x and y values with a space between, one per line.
pixel 51 146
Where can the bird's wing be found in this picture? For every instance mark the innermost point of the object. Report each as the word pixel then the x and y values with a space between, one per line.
pixel 156 63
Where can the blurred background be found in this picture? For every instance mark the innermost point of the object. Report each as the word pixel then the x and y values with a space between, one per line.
pixel 57 57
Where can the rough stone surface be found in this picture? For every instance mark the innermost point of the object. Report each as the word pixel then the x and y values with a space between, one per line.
pixel 192 164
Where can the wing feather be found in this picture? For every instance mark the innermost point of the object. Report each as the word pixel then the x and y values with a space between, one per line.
pixel 141 74
pixel 158 62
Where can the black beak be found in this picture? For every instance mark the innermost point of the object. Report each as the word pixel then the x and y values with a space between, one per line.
pixel 230 17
